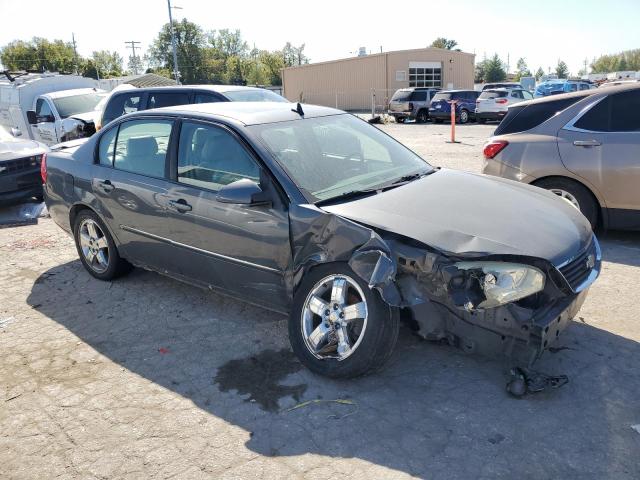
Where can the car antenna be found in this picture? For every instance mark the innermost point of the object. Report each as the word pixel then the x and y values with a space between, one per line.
pixel 298 110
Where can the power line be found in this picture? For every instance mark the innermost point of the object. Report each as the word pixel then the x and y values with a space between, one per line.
pixel 132 45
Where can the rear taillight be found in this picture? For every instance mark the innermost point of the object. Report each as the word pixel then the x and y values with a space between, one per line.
pixel 501 100
pixel 43 168
pixel 491 149
pixel 410 106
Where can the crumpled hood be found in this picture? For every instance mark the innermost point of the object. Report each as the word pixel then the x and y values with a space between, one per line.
pixel 463 213
pixel 90 117
pixel 19 148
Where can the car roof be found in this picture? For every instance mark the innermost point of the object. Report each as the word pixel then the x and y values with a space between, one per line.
pixel 580 93
pixel 458 90
pixel 212 88
pixel 76 91
pixel 248 113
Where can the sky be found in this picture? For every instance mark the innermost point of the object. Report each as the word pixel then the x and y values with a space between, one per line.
pixel 541 31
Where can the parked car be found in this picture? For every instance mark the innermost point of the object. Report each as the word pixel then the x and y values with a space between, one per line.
pixel 19 168
pixel 315 213
pixel 583 146
pixel 507 85
pixel 440 108
pixel 492 104
pixel 137 99
pixel 411 103
pixel 556 87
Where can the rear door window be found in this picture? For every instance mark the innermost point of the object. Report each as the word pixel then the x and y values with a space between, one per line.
pixel 624 111
pixel 598 118
pixel 168 99
pixel 120 105
pixel 526 117
pixel 420 96
pixel 205 98
pixel 141 147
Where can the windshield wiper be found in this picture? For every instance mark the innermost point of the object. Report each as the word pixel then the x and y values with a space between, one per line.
pixel 350 195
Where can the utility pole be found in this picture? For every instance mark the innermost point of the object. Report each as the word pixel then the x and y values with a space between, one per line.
pixel 585 66
pixel 132 45
pixel 75 53
pixel 173 44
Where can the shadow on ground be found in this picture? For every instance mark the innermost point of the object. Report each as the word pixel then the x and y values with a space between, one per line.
pixel 433 412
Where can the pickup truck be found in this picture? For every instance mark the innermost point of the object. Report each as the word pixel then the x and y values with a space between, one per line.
pixel 49 108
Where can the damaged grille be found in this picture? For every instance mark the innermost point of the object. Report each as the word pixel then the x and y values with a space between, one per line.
pixel 578 270
pixel 12 166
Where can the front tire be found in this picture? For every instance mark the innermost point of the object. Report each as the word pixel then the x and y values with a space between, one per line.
pixel 422 116
pixel 96 248
pixel 574 193
pixel 338 326
pixel 464 116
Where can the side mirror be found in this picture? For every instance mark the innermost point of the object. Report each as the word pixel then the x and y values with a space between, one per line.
pixel 242 192
pixel 31 117
pixel 16 132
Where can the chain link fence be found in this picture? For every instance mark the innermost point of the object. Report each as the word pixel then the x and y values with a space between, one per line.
pixel 373 100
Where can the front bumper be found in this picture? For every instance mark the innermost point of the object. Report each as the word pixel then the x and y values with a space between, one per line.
pixel 505 332
pixel 20 186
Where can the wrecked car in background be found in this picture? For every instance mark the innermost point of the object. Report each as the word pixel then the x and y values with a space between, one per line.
pixel 315 213
pixel 19 168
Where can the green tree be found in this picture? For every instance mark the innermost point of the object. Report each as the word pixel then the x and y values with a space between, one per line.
pixel 228 44
pixel 293 55
pixel 39 54
pixel 612 63
pixel 447 44
pixel 494 70
pixel 191 43
pixel 108 64
pixel 522 70
pixel 480 70
pixel 272 64
pixel 562 70
pixel 539 73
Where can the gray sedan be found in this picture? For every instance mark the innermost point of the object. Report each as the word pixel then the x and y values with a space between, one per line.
pixel 317 214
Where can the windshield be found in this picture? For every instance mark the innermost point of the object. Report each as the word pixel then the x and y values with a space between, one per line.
pixel 75 104
pixel 254 95
pixel 401 96
pixel 330 156
pixel 442 96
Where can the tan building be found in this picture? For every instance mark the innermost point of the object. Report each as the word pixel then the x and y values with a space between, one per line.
pixel 362 82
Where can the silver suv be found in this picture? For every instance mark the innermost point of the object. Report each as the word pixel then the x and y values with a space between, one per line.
pixel 582 146
pixel 412 103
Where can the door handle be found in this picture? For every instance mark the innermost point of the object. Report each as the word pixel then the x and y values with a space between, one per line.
pixel 180 205
pixel 586 143
pixel 106 186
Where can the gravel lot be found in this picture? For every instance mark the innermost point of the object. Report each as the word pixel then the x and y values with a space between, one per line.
pixel 150 378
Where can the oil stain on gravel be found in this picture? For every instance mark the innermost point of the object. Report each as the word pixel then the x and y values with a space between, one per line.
pixel 259 376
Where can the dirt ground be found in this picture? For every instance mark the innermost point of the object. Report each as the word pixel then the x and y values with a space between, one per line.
pixel 146 378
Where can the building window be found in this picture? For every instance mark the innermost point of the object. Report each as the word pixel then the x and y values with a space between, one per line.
pixel 401 75
pixel 425 77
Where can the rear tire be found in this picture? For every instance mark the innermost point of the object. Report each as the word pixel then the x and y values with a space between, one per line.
pixel 96 248
pixel 576 194
pixel 422 116
pixel 370 344
pixel 463 117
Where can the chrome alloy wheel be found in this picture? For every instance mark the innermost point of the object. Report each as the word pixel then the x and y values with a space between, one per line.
pixel 94 246
pixel 566 196
pixel 334 317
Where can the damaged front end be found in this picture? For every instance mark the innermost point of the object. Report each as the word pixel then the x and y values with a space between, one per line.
pixel 507 306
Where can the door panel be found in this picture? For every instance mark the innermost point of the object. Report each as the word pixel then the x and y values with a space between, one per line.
pixel 241 249
pixel 129 183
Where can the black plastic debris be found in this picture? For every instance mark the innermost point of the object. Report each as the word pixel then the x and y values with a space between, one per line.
pixel 23 214
pixel 523 381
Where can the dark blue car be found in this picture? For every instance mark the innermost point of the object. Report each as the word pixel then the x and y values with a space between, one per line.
pixel 440 108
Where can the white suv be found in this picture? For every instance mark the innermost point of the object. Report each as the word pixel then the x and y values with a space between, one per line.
pixel 493 104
